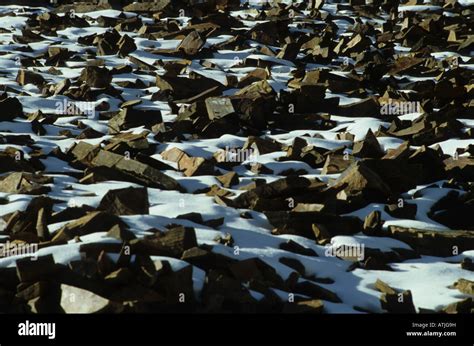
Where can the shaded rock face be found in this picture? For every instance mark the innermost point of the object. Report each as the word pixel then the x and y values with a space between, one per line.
pixel 277 157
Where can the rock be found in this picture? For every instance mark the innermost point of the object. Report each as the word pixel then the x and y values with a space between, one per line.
pixel 173 243
pixel 25 77
pixel 93 222
pixel 293 264
pixel 205 259
pixel 255 269
pixel 369 147
pixel 407 211
pixel 192 43
pixel 185 89
pixel 313 290
pixel 294 247
pixel 11 108
pixel 127 201
pixel 194 166
pixel 96 77
pixel 70 213
pixel 398 174
pixel 120 233
pixel 122 168
pixel 359 182
pixel 219 107
pixel 461 168
pixel 261 145
pixel 177 286
pixel 174 154
pixel 25 183
pixel 260 168
pixel 467 264
pixel 146 7
pixel 126 45
pixel 30 270
pixel 394 301
pixel 433 243
pixel 454 210
pixel 228 180
pixel 373 223
pixel 368 107
pixel 337 163
pixel 402 152
pixel 282 188
pixel 76 300
pixel 314 306
pixel 121 276
pixel 31 225
pixel 465 286
pixel 464 306
pixel 223 293
pixel 133 143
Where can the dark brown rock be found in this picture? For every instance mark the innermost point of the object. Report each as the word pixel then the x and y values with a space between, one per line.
pixel 127 201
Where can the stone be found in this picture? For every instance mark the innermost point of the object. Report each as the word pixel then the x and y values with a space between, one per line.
pixel 337 163
pixel 11 108
pixel 25 77
pixel 229 179
pixel 30 270
pixel 313 290
pixel 122 168
pixel 394 301
pixel 433 243
pixel 373 223
pixel 31 225
pixel 96 77
pixel 130 117
pixel 120 233
pixel 192 43
pixel 96 221
pixel 464 306
pixel 126 45
pixel 205 259
pixel 369 147
pixel 127 201
pixel 219 107
pixel 407 211
pixel 467 264
pixel 25 183
pixel 173 243
pixel 294 247
pixel 359 181
pixel 76 300
pixel 465 286
pixel 185 89
pixel 314 306
pixel 255 269
pixel 194 166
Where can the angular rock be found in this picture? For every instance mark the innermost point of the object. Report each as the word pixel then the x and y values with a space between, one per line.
pixel 93 222
pixel 127 201
pixel 173 243
pixel 394 301
pixel 25 183
pixel 96 77
pixel 25 77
